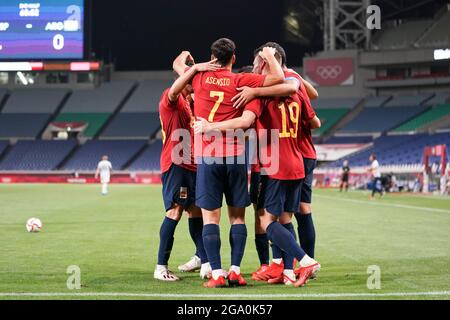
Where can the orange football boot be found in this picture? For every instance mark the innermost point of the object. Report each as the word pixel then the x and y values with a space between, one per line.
pixel 263 268
pixel 274 270
pixel 306 273
pixel 236 280
pixel 219 283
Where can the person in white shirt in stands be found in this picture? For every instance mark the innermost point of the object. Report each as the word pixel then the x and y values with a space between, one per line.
pixel 104 169
pixel 376 176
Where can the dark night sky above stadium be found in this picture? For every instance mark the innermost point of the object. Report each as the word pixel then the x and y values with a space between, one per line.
pixel 148 34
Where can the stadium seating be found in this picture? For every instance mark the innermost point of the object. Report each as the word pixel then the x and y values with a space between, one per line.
pixel 349 139
pixel 119 152
pixel 22 125
pixel 149 159
pixel 437 35
pixel 133 125
pixel 336 103
pixel 3 93
pixel 27 111
pixel 408 100
pixel 400 36
pixel 379 101
pixel 95 106
pixel 397 149
pixel 329 117
pixel 331 111
pixel 3 145
pixel 425 118
pixel 440 98
pixel 34 101
pixel 139 117
pixel 37 155
pixel 104 99
pixel 381 119
pixel 146 97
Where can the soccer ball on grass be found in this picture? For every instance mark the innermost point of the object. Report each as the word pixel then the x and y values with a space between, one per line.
pixel 34 225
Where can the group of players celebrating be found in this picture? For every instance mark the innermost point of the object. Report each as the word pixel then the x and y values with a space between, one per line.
pixel 205 156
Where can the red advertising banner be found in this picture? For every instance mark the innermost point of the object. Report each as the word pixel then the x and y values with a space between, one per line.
pixel 138 178
pixel 329 72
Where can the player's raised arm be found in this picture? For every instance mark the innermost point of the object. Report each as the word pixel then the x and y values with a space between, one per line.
pixel 179 64
pixel 276 74
pixel 186 77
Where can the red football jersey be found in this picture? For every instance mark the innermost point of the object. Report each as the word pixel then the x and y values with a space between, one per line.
pixel 173 116
pixel 283 115
pixel 213 93
pixel 308 113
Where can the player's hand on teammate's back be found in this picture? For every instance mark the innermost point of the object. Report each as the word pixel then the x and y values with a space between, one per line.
pixel 201 125
pixel 207 66
pixel 245 95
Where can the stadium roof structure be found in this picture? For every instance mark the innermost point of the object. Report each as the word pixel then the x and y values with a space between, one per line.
pixel 344 21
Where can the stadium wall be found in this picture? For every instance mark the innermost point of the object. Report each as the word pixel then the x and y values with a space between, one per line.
pixel 360 74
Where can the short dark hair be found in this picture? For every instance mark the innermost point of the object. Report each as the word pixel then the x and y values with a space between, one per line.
pixel 246 69
pixel 373 155
pixel 223 50
pixel 278 48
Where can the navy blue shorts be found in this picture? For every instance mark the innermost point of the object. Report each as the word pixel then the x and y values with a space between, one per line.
pixel 178 187
pixel 255 187
pixel 214 180
pixel 306 194
pixel 279 196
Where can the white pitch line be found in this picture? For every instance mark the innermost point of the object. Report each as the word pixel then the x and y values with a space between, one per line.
pixel 377 203
pixel 181 295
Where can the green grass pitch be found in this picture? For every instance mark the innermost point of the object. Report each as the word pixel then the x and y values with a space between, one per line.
pixel 114 240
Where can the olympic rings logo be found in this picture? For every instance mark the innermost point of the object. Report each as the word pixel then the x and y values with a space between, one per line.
pixel 329 72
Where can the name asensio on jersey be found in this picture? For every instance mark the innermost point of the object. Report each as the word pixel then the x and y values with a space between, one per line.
pixel 221 82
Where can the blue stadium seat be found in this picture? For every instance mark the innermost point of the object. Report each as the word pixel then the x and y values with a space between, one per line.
pixel 37 155
pixel 381 119
pixel 329 103
pixel 440 98
pixel 149 159
pixel 26 125
pixel 373 102
pixel 146 97
pixel 349 139
pixel 89 154
pixel 409 100
pixel 105 99
pixel 3 93
pixel 397 149
pixel 34 100
pixel 133 125
pixel 3 145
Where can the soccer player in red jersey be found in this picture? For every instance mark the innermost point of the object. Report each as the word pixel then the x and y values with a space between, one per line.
pixel 305 224
pixel 309 121
pixel 221 168
pixel 178 174
pixel 280 194
pixel 281 189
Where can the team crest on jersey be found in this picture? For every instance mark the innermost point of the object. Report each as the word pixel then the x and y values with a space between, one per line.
pixel 183 192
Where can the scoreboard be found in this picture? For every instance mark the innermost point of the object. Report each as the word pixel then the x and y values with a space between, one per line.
pixel 42 29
